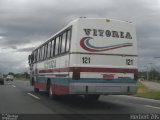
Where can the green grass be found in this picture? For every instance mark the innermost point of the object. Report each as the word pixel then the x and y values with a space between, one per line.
pixel 22 78
pixel 147 93
pixel 158 81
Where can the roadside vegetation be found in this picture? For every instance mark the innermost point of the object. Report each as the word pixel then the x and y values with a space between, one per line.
pixel 23 76
pixel 145 92
pixel 152 75
pixel 20 76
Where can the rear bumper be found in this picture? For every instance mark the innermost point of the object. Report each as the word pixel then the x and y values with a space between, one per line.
pixel 103 88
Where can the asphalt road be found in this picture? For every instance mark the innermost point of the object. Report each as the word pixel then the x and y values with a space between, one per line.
pixel 17 97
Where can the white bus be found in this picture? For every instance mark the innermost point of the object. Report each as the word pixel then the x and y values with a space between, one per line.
pixel 89 57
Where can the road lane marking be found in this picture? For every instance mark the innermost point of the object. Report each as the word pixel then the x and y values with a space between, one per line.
pixel 152 106
pixel 13 86
pixel 33 96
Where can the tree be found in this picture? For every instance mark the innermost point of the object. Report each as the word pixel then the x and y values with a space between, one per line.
pixel 11 73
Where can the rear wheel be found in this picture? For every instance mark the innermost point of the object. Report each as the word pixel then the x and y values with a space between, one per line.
pixel 36 90
pixel 51 93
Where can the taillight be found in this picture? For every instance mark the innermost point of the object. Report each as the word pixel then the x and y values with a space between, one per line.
pixel 76 73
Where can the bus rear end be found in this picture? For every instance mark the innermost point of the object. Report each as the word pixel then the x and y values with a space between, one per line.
pixel 103 58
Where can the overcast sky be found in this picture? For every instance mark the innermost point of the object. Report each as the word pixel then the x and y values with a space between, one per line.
pixel 25 24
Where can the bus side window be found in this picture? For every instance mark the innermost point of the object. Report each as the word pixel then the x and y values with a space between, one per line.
pixel 38 54
pixel 63 42
pixel 29 59
pixel 60 44
pixel 68 40
pixel 35 56
pixel 53 48
pixel 32 58
pixel 42 53
pixel 49 50
pixel 45 51
pixel 56 46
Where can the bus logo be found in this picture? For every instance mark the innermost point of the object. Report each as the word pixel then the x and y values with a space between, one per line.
pixel 85 44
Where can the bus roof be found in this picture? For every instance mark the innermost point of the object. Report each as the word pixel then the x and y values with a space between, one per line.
pixel 76 21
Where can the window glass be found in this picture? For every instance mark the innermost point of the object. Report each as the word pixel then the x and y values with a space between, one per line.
pixel 53 48
pixel 42 53
pixel 68 40
pixel 35 56
pixel 49 50
pixel 45 51
pixel 63 43
pixel 38 54
pixel 57 46
pixel 60 44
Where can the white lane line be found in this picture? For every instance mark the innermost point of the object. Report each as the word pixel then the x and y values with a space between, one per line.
pixel 33 96
pixel 13 86
pixel 152 106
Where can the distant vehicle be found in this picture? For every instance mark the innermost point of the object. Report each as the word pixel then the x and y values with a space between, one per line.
pixel 9 78
pixel 1 79
pixel 89 57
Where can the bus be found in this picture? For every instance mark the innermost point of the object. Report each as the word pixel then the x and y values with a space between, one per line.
pixel 89 57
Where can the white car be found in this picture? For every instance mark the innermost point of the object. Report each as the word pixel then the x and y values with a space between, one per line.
pixel 9 78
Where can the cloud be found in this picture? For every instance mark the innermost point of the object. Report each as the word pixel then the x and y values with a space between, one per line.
pixel 29 49
pixel 25 24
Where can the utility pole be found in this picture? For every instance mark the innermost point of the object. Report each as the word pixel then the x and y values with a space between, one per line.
pixel 146 72
pixel 157 58
pixel 151 76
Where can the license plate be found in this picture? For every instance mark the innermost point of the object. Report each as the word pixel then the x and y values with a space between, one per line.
pixel 108 76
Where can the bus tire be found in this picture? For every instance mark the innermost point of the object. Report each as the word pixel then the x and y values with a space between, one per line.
pixel 51 96
pixel 32 82
pixel 51 93
pixel 48 85
pixel 36 90
pixel 92 97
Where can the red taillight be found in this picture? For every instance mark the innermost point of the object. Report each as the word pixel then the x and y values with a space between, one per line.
pixel 76 73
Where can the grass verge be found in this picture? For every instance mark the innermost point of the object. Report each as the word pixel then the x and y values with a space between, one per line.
pixel 158 81
pixel 147 93
pixel 22 78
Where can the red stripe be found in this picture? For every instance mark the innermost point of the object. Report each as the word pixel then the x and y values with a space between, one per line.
pixel 41 86
pixel 57 89
pixel 89 69
pixel 55 70
pixel 60 89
